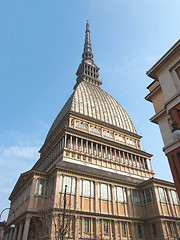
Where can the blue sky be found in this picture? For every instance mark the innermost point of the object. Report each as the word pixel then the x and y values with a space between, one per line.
pixel 41 44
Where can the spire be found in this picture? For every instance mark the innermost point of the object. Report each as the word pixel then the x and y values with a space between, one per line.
pixel 87 54
pixel 87 70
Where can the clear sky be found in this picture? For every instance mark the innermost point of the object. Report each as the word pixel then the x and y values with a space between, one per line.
pixel 41 44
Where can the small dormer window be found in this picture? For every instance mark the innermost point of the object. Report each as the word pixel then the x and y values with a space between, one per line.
pixel 81 126
pixel 131 142
pixel 118 138
pixel 95 130
pixel 107 134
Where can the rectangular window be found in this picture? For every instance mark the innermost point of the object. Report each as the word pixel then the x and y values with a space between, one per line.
pixel 92 189
pixel 123 229
pixel 174 197
pixel 139 231
pixel 67 181
pixel 106 227
pixel 135 198
pixel 40 187
pixel 154 229
pixel 86 188
pixel 121 194
pixel 104 193
pixel 86 225
pixel 169 228
pixel 162 194
pixel 148 195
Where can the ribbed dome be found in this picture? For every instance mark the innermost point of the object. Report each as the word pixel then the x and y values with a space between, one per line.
pixel 91 101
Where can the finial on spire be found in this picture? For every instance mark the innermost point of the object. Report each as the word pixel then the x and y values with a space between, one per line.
pixel 87 70
pixel 87 54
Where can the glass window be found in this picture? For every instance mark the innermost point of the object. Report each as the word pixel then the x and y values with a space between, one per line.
pixel 131 142
pixel 60 184
pixel 86 225
pixel 174 197
pixel 148 195
pixel 86 188
pixel 107 134
pixel 121 194
pixel 169 228
pixel 123 228
pixel 67 181
pixel 106 227
pixel 104 194
pixel 95 130
pixel 162 194
pixel 135 197
pixel 120 139
pixel 40 187
pixel 82 126
pixel 92 189
pixel 139 231
pixel 154 229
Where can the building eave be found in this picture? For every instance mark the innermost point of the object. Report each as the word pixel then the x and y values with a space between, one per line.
pixel 160 63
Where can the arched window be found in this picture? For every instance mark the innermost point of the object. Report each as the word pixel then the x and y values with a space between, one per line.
pixel 118 138
pixel 107 134
pixel 95 130
pixel 82 126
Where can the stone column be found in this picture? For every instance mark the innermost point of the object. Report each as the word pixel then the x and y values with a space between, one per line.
pixel 71 142
pixel 96 198
pixel 92 148
pixel 120 160
pixel 26 228
pixel 76 144
pixel 114 211
pixel 15 233
pixel 86 146
pixel 101 155
pixel 81 145
pixel 20 231
pixel 65 140
pixel 136 160
pixel 77 204
pixel 129 203
pixel 124 158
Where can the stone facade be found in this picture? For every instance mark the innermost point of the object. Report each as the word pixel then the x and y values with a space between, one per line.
pixel 94 150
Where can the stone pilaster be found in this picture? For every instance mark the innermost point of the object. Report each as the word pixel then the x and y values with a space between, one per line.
pixel 76 227
pixel 77 204
pixel 15 233
pixel 130 210
pixel 114 210
pixel 26 228
pixel 20 231
pixel 56 193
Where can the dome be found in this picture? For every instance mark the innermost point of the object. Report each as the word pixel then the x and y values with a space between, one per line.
pixel 91 101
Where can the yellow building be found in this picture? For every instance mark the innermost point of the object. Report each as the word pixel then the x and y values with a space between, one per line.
pixel 94 149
